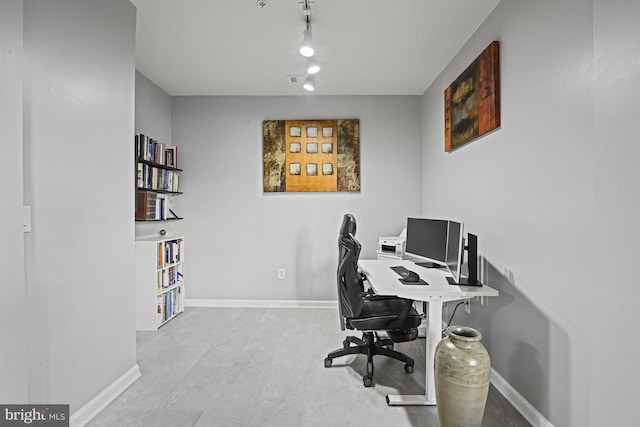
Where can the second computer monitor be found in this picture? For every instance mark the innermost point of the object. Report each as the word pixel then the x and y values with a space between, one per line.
pixel 427 239
pixel 455 249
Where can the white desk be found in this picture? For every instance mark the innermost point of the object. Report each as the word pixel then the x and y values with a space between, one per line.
pixel 384 281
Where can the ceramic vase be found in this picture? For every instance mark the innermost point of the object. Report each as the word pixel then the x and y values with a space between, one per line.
pixel 461 372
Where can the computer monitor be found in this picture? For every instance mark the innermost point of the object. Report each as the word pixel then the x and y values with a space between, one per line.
pixel 427 240
pixel 472 260
pixel 455 256
pixel 455 249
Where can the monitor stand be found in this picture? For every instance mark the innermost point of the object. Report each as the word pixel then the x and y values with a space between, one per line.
pixel 428 264
pixel 464 281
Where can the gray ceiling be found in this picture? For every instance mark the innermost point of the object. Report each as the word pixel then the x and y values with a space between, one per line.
pixel 234 47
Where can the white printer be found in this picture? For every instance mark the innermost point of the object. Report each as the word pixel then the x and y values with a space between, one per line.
pixel 392 245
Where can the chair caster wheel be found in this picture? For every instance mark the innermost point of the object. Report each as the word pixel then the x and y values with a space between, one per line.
pixel 327 362
pixel 408 368
pixel 367 381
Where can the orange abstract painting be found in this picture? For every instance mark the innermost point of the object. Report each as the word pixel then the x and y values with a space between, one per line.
pixel 472 101
pixel 311 155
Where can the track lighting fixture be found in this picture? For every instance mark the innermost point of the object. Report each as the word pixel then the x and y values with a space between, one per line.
pixel 309 84
pixel 312 66
pixel 306 49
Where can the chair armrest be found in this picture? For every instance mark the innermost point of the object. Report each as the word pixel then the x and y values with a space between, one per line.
pixel 372 296
pixel 403 314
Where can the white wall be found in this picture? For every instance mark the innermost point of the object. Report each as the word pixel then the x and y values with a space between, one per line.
pixel 79 69
pixel 237 236
pixel 617 209
pixel 545 194
pixel 153 110
pixel 13 322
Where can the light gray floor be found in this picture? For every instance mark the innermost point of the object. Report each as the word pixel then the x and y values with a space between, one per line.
pixel 265 367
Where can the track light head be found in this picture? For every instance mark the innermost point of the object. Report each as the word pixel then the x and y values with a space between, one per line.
pixel 306 49
pixel 312 66
pixel 309 84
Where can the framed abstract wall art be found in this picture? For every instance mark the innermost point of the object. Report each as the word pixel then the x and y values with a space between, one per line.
pixel 472 101
pixel 311 155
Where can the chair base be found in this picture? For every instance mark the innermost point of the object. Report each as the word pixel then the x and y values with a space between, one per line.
pixel 371 345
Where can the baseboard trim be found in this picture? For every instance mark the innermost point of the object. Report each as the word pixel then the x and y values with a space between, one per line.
pixel 527 410
pixel 85 414
pixel 238 303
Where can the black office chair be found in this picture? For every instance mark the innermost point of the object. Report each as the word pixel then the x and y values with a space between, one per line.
pixel 369 313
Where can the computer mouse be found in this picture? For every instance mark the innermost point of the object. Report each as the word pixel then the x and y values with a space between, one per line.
pixel 411 276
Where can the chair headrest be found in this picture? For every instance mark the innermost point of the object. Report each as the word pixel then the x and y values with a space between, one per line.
pixel 348 226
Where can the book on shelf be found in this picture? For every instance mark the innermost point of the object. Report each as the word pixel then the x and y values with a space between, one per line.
pixel 161 312
pixel 145 205
pixel 173 251
pixel 153 178
pixel 169 304
pixel 171 156
pixel 152 150
pixel 142 146
pixel 162 205
pixel 160 257
pixel 171 276
pixel 152 206
pixel 140 176
pixel 159 153
pixel 179 274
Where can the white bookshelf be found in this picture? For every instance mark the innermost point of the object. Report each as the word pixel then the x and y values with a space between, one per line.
pixel 160 290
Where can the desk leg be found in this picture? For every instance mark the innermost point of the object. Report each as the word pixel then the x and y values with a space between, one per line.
pixel 433 338
pixel 434 335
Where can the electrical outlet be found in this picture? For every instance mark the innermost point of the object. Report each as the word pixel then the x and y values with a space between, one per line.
pixel 282 273
pixel 467 306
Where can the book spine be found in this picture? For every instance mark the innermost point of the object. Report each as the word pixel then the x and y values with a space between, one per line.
pixel 160 255
pixel 179 274
pixel 142 205
pixel 142 146
pixel 151 148
pixel 160 153
pixel 151 205
pixel 140 176
pixel 145 147
pixel 138 142
pixel 160 304
pixel 170 158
